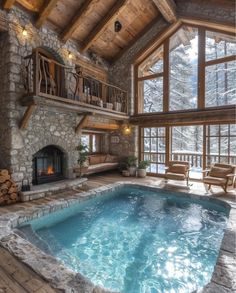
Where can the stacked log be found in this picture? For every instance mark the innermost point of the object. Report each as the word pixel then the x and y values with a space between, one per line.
pixel 8 189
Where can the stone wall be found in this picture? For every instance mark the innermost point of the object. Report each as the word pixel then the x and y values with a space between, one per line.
pixel 47 126
pixel 5 137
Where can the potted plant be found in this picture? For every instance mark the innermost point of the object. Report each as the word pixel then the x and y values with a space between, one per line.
pixel 131 165
pixel 142 166
pixel 83 157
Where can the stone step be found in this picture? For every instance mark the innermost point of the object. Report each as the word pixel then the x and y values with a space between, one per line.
pixel 40 191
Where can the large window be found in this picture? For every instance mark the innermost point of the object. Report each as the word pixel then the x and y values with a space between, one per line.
pixel 221 144
pixel 200 145
pixel 194 68
pixel 183 56
pixel 150 82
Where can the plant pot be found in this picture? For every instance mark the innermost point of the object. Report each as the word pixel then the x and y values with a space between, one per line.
pixel 125 173
pixel 142 173
pixel 132 171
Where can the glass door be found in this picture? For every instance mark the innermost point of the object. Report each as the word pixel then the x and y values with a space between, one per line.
pixel 153 148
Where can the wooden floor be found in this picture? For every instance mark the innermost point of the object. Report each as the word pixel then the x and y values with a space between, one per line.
pixel 18 278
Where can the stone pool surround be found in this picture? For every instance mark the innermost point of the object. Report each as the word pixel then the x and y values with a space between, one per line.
pixel 68 281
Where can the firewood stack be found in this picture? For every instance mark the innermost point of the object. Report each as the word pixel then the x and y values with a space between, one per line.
pixel 8 189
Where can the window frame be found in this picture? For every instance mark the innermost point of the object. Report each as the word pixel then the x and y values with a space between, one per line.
pixel 202 64
pixel 90 148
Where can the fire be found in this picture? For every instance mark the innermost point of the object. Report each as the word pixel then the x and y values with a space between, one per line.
pixel 50 170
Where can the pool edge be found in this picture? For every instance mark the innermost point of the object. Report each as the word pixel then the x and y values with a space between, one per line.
pixel 61 277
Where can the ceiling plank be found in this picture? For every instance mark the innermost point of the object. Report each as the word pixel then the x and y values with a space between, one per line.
pixel 46 10
pixel 98 30
pixel 7 4
pixel 135 39
pixel 74 24
pixel 167 9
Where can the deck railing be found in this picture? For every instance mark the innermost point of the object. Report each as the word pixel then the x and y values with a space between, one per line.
pixel 49 78
pixel 196 158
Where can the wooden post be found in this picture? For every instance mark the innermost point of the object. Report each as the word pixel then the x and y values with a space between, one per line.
pixel 168 141
pixel 36 69
pixel 201 68
pixel 166 77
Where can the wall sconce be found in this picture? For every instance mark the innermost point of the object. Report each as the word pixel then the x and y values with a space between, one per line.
pixel 24 32
pixel 117 26
pixel 70 56
pixel 126 129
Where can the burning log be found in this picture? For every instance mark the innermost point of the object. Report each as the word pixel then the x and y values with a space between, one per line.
pixel 8 188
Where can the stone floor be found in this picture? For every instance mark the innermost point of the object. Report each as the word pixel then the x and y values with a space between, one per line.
pixel 17 277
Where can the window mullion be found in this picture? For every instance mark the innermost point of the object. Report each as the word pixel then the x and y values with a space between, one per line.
pixel 166 76
pixel 201 67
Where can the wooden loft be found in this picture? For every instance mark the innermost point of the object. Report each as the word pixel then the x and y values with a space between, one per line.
pixel 54 84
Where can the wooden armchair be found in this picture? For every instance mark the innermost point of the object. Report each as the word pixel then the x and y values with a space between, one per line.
pixel 221 175
pixel 178 170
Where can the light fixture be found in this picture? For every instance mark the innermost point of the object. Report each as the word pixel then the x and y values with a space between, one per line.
pixel 24 32
pixel 126 129
pixel 70 56
pixel 117 26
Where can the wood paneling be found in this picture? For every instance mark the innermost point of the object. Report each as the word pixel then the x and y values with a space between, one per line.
pixel 98 30
pixel 47 8
pixel 76 21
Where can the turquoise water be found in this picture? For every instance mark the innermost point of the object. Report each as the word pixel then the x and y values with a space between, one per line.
pixel 138 241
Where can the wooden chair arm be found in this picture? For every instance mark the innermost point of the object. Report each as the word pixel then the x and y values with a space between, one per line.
pixel 230 175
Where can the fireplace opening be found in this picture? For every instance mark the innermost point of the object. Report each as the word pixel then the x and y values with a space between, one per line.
pixel 48 165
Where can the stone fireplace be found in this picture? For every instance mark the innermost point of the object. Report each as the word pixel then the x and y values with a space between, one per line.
pixel 48 165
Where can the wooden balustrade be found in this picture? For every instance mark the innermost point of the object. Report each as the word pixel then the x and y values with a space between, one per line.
pixel 48 78
pixel 196 159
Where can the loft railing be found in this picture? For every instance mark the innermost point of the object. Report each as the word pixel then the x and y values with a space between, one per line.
pixel 49 78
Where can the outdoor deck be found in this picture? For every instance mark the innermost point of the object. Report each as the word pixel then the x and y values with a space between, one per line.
pixel 18 278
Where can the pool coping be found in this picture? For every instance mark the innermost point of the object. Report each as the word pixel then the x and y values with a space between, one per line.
pixel 69 281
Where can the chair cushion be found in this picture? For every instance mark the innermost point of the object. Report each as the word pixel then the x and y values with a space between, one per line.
pixel 219 172
pixel 111 159
pixel 178 168
pixel 174 176
pixel 214 180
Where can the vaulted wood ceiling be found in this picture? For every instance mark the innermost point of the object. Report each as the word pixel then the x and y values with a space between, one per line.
pixel 91 22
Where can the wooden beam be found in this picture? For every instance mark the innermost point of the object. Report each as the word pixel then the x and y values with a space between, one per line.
pixel 82 123
pixel 7 4
pixel 221 26
pixel 28 113
pixel 220 115
pixel 46 10
pixel 76 21
pixel 167 9
pixel 98 30
pixel 103 126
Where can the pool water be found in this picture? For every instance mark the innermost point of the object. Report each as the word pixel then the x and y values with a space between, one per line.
pixel 138 241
